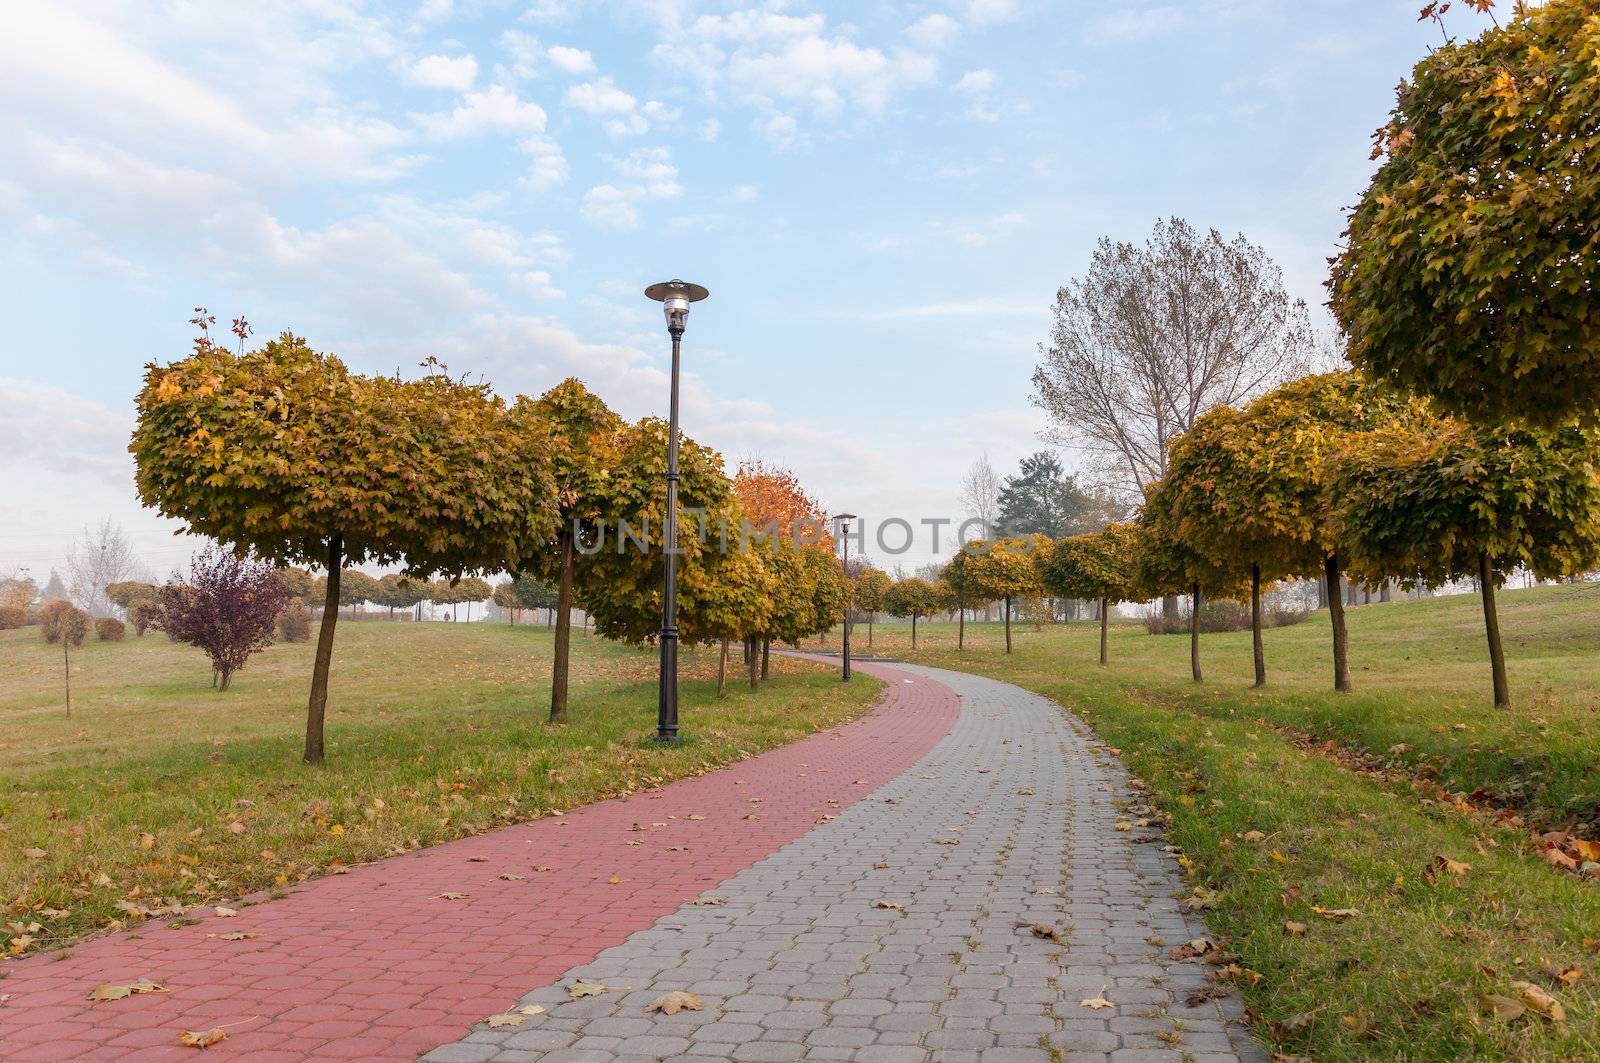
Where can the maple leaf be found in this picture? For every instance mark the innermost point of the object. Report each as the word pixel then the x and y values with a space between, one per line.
pixel 674 1002
pixel 202 1038
pixel 580 989
pixel 1096 1003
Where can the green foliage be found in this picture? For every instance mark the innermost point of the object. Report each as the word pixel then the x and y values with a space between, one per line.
pixel 1002 568
pixel 525 592
pixel 869 589
pixel 912 597
pixel 1468 273
pixel 1093 565
pixel 279 450
pixel 1422 503
pixel 1042 498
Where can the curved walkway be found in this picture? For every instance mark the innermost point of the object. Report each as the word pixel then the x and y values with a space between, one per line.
pixel 376 965
pixel 903 930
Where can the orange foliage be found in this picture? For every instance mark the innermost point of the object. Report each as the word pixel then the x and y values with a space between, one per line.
pixel 769 493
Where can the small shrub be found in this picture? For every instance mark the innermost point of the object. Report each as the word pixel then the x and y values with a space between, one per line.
pixel 12 616
pixel 1216 614
pixel 55 616
pixel 294 624
pixel 109 629
pixel 142 615
pixel 1284 615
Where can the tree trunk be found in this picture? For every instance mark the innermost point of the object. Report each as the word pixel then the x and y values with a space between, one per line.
pixel 1491 626
pixel 66 671
pixel 766 659
pixel 1008 624
pixel 1322 591
pixel 869 632
pixel 913 630
pixel 961 627
pixel 1341 636
pixel 755 662
pixel 317 709
pixel 1105 614
pixel 1255 625
pixel 1169 606
pixel 722 670
pixel 1194 631
pixel 227 680
pixel 561 664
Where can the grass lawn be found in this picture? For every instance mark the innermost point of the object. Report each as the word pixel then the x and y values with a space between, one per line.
pixel 1404 978
pixel 161 790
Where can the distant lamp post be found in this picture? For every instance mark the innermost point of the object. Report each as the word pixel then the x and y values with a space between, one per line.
pixel 844 520
pixel 675 297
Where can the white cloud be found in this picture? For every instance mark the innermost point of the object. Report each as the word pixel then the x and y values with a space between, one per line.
pixel 537 282
pixel 743 194
pixel 987 12
pixel 45 428
pixel 571 60
pixel 709 130
pixel 1123 26
pixel 617 111
pixel 646 174
pixel 431 13
pixel 454 72
pixel 779 130
pixel 496 109
pixel 548 166
pixel 976 86
pixel 933 32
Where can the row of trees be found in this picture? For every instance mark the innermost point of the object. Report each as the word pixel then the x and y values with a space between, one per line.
pixel 285 454
pixel 1324 476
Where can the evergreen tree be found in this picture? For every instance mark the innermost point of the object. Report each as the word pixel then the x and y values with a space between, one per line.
pixel 1043 499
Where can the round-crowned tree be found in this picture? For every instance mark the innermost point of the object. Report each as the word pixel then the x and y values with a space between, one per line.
pixel 1469 268
pixel 1436 501
pixel 283 452
pixel 1095 565
pixel 1004 569
pixel 914 598
pixel 870 586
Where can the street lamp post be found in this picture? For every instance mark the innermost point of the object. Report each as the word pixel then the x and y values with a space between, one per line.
pixel 844 520
pixel 675 297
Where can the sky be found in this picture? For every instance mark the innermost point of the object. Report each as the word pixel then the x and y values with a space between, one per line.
pixel 882 198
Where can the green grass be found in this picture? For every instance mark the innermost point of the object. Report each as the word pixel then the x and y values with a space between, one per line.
pixel 434 731
pixel 1404 979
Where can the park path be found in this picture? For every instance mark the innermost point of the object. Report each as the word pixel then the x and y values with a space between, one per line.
pixel 902 930
pixel 376 965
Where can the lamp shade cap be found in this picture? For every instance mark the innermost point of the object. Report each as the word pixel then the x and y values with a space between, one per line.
pixel 676 289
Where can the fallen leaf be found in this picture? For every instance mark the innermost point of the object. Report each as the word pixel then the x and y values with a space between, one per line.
pixel 452 896
pixel 1444 864
pixel 1293 1026
pixel 674 1002
pixel 580 988
pixel 1215 991
pixel 117 992
pixel 147 841
pixel 1097 1003
pixel 1024 793
pixel 225 913
pixel 1253 836
pixel 237 935
pixel 1336 914
pixel 1567 976
pixel 1540 1001
pixel 532 1009
pixel 947 841
pixel 202 1039
pixel 614 879
pixel 541 869
pixel 889 906
pixel 510 1018
pixel 36 854
pixel 879 867
pixel 507 876
pixel 1294 929
pixel 1503 1008
pixel 1045 931
pixel 708 902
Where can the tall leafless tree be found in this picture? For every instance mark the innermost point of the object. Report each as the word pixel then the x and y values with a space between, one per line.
pixel 980 494
pixel 1152 337
pixel 101 557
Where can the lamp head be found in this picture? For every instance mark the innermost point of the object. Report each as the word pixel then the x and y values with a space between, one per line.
pixel 675 296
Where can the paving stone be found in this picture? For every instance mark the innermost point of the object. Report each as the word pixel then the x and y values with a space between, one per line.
pixel 806 967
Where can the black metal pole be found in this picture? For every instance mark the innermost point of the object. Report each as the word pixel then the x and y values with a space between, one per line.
pixel 847 597
pixel 667 695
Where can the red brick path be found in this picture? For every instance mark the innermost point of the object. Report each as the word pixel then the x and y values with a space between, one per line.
pixel 375 965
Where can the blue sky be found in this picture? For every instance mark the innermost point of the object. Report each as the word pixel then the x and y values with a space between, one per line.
pixel 882 198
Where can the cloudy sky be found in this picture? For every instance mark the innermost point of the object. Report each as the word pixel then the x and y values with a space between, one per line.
pixel 881 196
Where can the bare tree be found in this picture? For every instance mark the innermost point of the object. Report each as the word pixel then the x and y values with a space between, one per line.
pixel 980 494
pixel 1152 337
pixel 98 559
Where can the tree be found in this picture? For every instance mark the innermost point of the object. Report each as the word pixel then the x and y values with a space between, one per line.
pixel 1164 564
pixel 296 582
pixel 912 597
pixel 1004 569
pixel 1468 271
pixel 355 588
pixel 870 587
pixel 1042 499
pixel 228 609
pixel 61 621
pixel 980 496
pixel 471 590
pixel 397 592
pixel 1152 337
pixel 284 453
pixel 963 591
pixel 1096 565
pixel 1436 501
pixel 735 604
pixel 524 592
pixel 585 439
pixel 779 509
pixel 98 559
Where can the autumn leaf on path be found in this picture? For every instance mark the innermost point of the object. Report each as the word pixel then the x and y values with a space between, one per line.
pixel 1097 1003
pixel 509 1018
pixel 1043 930
pixel 202 1039
pixel 237 935
pixel 507 876
pixel 225 913
pixel 117 992
pixel 889 906
pixel 708 902
pixel 674 1002
pixel 452 896
pixel 580 989
pixel 947 841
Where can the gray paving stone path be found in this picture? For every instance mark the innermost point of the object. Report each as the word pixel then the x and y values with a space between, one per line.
pixel 1010 819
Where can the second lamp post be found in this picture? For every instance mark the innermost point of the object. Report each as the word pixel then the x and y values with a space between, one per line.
pixel 844 520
